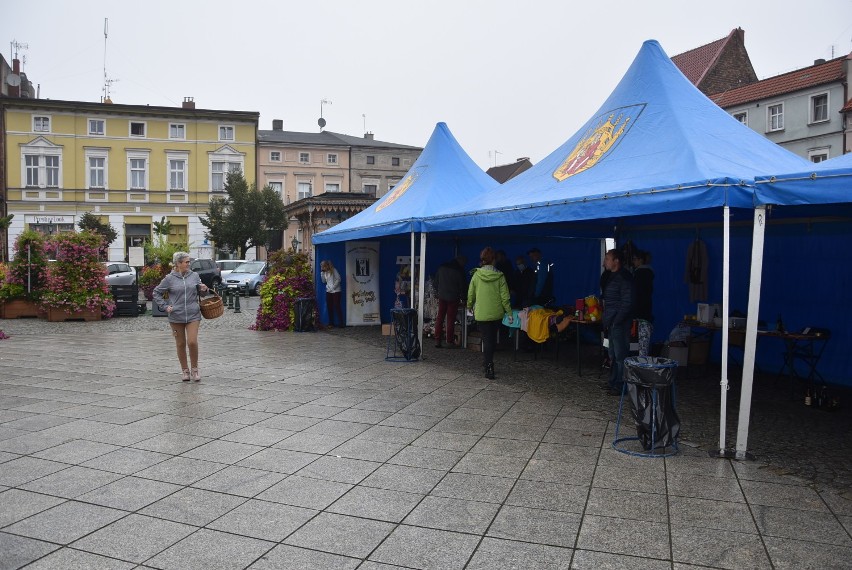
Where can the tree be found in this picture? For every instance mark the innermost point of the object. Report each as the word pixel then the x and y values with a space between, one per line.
pixel 93 223
pixel 245 217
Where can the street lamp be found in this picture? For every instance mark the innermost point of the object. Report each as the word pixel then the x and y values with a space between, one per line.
pixel 295 243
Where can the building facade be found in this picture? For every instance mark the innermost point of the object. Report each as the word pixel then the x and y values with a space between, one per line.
pixel 325 178
pixel 132 165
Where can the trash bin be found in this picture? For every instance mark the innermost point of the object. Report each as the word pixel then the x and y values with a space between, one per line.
pixel 650 387
pixel 404 323
pixel 304 314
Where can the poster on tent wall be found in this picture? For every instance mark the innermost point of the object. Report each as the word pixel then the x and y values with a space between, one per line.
pixel 362 283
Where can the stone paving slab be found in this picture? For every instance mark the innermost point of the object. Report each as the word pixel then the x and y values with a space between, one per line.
pixel 311 451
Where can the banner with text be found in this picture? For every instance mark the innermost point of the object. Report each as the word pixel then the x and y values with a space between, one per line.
pixel 362 283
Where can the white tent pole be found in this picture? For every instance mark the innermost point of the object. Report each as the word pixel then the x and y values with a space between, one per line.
pixel 411 262
pixel 726 279
pixel 751 329
pixel 421 294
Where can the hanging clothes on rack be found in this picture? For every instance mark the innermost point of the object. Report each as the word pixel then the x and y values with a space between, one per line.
pixel 695 275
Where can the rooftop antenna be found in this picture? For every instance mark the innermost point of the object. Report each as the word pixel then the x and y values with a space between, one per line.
pixel 364 117
pixel 496 152
pixel 107 81
pixel 321 121
pixel 14 46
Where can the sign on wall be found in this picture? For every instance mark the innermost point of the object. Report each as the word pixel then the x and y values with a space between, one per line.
pixel 362 283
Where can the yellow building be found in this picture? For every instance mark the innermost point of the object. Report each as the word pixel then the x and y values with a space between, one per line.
pixel 130 164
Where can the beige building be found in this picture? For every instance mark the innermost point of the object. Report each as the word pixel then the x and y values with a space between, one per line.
pixel 324 178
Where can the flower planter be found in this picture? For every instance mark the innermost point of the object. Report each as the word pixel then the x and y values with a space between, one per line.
pixel 57 315
pixel 18 309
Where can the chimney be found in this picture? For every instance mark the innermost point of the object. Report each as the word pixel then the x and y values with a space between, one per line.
pixel 277 124
pixel 188 103
pixel 368 136
pixel 522 158
pixel 819 61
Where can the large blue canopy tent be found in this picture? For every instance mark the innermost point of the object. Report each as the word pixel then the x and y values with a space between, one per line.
pixel 800 200
pixel 657 152
pixel 442 176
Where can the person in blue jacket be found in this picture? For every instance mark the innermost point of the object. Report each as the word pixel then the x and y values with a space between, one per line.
pixel 183 287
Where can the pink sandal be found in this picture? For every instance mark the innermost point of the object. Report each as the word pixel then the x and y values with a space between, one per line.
pixel 185 375
pixel 196 375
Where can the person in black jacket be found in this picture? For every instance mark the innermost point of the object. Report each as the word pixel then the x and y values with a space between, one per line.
pixel 643 292
pixel 451 287
pixel 617 316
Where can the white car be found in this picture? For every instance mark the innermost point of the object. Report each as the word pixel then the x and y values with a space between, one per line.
pixel 228 265
pixel 120 273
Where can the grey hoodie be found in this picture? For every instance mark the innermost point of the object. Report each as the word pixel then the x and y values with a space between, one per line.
pixel 183 296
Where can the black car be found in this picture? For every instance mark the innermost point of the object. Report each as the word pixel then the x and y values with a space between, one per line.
pixel 207 270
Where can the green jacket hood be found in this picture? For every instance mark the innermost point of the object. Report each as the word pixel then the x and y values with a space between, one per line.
pixel 488 273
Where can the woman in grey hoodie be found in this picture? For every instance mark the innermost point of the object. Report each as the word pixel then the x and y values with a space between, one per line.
pixel 183 286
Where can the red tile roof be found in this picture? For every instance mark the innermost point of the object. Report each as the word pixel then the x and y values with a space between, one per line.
pixel 695 63
pixel 812 76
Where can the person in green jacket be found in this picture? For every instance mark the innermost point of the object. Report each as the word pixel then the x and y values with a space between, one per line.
pixel 488 294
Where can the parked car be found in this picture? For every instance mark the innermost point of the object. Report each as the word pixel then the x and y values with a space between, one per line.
pixel 120 273
pixel 228 265
pixel 252 273
pixel 207 270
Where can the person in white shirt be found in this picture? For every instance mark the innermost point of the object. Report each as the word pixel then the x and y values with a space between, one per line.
pixel 333 293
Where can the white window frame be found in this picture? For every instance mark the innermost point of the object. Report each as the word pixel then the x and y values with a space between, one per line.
pixel 277 186
pixel 306 156
pixel 181 135
pixel 331 158
pixel 42 123
pixel 332 186
pixel 770 128
pixel 274 156
pixel 178 157
pixel 223 133
pixel 738 114
pixel 144 129
pixel 226 154
pixel 40 149
pixel 812 108
pixel 138 155
pixel 97 153
pixel 94 132
pixel 820 154
pixel 300 184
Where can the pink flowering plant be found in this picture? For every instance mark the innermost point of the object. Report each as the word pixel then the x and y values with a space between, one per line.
pixel 28 268
pixel 76 280
pixel 290 278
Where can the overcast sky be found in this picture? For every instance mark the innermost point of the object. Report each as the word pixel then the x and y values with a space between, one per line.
pixel 516 77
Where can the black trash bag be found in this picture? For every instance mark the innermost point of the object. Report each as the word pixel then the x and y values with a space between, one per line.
pixel 643 374
pixel 304 314
pixel 405 331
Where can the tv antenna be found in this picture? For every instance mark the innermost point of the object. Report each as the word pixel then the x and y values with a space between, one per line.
pixel 15 45
pixel 496 152
pixel 321 122
pixel 364 117
pixel 107 81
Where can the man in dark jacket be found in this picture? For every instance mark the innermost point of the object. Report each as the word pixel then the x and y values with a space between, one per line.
pixel 617 316
pixel 451 287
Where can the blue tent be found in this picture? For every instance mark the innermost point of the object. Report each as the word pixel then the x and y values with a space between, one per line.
pixel 656 145
pixel 443 176
pixel 827 182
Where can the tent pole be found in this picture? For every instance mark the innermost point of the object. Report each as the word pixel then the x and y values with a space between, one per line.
pixel 751 329
pixel 726 280
pixel 421 293
pixel 411 262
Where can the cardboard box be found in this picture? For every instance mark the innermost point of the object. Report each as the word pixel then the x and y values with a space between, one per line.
pixel 387 329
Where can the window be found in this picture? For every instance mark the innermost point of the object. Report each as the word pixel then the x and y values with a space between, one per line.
pixel 41 123
pixel 332 187
pixel 305 157
pixel 42 168
pixel 371 159
pixel 177 174
pixel 304 189
pixel 51 169
pixel 278 187
pixel 370 189
pixel 97 127
pixel 138 173
pixel 33 168
pixel 818 154
pixel 220 171
pixel 819 108
pixel 137 129
pixel 742 117
pixel 395 161
pixel 226 132
pixel 776 117
pixel 331 159
pixel 97 171
pixel 177 131
pixel 275 156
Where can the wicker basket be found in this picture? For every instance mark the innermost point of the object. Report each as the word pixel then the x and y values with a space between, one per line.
pixel 212 306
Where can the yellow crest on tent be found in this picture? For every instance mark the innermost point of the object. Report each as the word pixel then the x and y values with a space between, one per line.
pixel 397 191
pixel 598 141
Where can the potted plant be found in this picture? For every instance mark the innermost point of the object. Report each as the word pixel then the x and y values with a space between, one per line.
pixel 150 277
pixel 21 285
pixel 75 287
pixel 290 278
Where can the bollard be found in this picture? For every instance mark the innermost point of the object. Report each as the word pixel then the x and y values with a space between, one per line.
pixel 230 299
pixel 237 305
pixel 248 291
